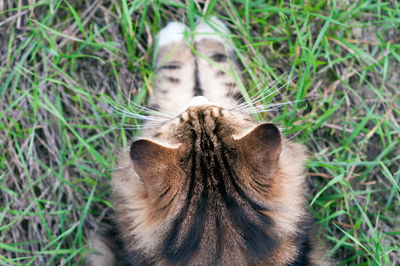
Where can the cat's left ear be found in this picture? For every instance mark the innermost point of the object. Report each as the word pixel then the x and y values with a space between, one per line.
pixel 261 147
pixel 156 164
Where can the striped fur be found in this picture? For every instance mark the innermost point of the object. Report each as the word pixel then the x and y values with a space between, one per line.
pixel 210 186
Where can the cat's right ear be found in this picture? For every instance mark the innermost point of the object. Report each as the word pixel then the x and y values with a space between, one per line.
pixel 156 165
pixel 261 147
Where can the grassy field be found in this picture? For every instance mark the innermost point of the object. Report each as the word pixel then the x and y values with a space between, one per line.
pixel 63 63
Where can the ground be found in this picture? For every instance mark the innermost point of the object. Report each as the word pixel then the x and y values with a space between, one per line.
pixel 64 63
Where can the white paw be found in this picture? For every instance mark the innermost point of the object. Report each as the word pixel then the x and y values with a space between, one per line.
pixel 212 28
pixel 173 32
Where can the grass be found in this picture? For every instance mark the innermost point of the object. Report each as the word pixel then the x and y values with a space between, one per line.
pixel 63 61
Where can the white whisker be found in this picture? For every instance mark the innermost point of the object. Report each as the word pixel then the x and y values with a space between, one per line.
pixel 253 103
pixel 135 115
pixel 136 111
pixel 259 94
pixel 269 107
pixel 151 111
pixel 250 106
pixel 139 126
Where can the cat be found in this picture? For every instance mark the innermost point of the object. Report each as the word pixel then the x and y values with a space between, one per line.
pixel 207 184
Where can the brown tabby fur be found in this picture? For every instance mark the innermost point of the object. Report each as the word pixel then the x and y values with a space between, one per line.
pixel 210 186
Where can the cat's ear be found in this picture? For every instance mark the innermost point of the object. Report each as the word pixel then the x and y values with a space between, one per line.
pixel 261 147
pixel 155 164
